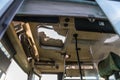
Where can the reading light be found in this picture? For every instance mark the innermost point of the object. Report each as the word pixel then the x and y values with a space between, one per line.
pixel 73 67
pixel 91 18
pixel 67 56
pixel 29 58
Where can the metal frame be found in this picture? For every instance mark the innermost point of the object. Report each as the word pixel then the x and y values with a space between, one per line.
pixel 7 17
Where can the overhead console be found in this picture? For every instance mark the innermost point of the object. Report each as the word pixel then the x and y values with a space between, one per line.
pixel 86 14
pixel 90 24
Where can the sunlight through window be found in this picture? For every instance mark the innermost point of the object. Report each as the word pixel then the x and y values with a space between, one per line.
pixel 15 72
pixel 50 32
pixel 49 77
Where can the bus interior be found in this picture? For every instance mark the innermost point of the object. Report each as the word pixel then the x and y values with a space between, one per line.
pixel 59 40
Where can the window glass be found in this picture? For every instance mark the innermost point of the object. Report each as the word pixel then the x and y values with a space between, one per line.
pixel 50 38
pixel 78 78
pixel 2 76
pixel 85 78
pixel 51 33
pixel 78 1
pixel 35 77
pixel 0 71
pixel 4 4
pixel 14 72
pixel 49 77
pixel 4 50
pixel 112 77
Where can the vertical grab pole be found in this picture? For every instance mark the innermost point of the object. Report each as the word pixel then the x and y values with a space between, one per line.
pixel 64 67
pixel 76 46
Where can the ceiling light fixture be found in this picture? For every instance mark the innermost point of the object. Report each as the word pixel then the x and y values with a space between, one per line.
pixel 76 67
pixel 111 39
pixel 67 56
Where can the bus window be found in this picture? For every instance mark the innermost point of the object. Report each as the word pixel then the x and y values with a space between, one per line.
pixel 35 77
pixel 14 72
pixel 112 77
pixel 4 4
pixel 2 76
pixel 49 77
pixel 4 50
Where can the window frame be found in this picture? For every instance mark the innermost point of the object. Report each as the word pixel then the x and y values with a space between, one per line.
pixel 8 15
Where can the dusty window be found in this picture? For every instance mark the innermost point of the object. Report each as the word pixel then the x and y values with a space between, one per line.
pixel 49 37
